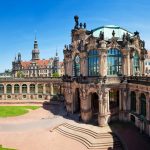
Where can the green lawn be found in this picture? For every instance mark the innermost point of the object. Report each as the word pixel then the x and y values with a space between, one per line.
pixel 1 148
pixel 10 111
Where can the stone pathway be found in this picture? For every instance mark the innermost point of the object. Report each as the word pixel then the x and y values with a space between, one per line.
pixel 42 129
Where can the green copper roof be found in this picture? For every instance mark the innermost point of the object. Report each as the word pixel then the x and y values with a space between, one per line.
pixel 108 29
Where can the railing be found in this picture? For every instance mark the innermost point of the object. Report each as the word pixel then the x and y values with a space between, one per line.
pixel 84 79
pixel 139 80
pixel 57 79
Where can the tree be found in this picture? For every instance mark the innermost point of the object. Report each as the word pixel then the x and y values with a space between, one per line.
pixel 20 74
pixel 56 74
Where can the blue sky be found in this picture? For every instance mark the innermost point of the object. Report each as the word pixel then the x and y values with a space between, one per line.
pixel 53 20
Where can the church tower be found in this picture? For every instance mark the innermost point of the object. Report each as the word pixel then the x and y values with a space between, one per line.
pixel 35 51
pixel 56 63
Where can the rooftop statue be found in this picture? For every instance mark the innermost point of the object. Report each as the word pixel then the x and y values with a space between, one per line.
pixel 76 18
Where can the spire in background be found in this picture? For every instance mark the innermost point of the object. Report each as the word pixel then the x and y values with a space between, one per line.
pixel 35 51
pixel 56 52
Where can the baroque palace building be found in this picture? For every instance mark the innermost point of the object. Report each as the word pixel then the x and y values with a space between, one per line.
pixel 104 76
pixel 37 67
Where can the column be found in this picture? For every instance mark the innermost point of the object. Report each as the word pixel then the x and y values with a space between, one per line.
pixel 103 63
pixel 12 85
pixel 20 88
pixel 36 88
pixel 28 89
pixel 124 99
pixel 131 66
pixel 51 88
pixel 128 100
pixel 5 89
pixel 137 102
pixel 142 67
pixel 86 111
pixel 44 89
pixel 103 108
pixel 125 66
pixel 128 64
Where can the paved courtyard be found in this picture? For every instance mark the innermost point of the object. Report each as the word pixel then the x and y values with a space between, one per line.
pixel 47 129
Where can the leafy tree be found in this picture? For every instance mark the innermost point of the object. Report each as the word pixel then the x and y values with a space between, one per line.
pixel 20 74
pixel 56 74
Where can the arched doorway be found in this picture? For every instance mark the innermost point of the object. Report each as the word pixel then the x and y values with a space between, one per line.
pixel 77 101
pixel 114 104
pixel 94 107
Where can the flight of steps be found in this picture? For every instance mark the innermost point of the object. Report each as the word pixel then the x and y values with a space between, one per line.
pixel 90 138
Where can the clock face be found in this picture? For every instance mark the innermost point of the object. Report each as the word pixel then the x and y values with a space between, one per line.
pixel 77 59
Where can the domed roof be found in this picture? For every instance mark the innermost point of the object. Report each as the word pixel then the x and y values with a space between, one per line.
pixel 108 29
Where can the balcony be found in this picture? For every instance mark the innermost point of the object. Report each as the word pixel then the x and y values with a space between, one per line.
pixel 144 80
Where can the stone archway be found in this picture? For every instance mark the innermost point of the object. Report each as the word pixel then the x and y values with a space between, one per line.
pixel 77 101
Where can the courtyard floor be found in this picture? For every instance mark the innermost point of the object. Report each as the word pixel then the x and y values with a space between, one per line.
pixel 36 131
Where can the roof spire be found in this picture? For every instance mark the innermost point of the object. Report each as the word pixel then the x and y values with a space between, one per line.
pixel 35 51
pixel 56 52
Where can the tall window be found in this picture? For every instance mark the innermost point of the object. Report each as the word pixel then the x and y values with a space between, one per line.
pixel 16 88
pixel 76 66
pixel 24 88
pixel 93 63
pixel 114 62
pixel 143 105
pixel 136 66
pixel 9 88
pixel 1 88
pixel 133 101
pixel 32 88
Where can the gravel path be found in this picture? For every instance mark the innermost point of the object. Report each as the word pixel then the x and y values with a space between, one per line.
pixel 32 132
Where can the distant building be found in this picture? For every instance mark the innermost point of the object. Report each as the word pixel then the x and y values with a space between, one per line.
pixel 36 67
pixel 6 74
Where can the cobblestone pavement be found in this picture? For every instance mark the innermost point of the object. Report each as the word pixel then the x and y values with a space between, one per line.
pixel 32 131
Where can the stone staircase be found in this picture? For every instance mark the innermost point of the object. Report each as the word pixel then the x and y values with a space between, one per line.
pixel 90 138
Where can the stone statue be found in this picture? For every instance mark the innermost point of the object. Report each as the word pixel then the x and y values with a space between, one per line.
pixel 84 25
pixel 113 33
pixel 127 36
pixel 76 18
pixel 101 35
pixel 80 25
pixel 136 33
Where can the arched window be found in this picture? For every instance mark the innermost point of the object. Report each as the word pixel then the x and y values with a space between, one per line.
pixel 133 101
pixel 1 89
pixel 40 88
pixel 32 88
pixel 48 88
pixel 16 88
pixel 114 62
pixel 143 104
pixel 76 66
pixel 136 65
pixel 24 88
pixel 93 63
pixel 9 88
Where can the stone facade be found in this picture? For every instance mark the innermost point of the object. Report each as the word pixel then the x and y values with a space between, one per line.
pixel 29 89
pixel 97 67
pixel 147 64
